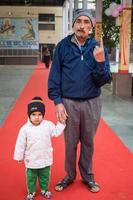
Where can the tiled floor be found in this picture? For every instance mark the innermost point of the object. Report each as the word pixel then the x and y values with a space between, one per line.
pixel 12 81
pixel 117 112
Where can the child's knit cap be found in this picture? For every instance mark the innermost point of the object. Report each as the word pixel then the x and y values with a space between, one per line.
pixel 36 104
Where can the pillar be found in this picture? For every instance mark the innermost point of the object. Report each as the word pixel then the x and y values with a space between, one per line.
pixel 65 18
pixel 125 37
pixel 122 81
pixel 75 4
pixel 84 4
pixel 71 12
pixel 98 16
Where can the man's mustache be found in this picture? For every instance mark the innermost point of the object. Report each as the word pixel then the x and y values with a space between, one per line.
pixel 81 30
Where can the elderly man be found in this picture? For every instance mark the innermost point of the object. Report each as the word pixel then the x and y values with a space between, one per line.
pixel 80 67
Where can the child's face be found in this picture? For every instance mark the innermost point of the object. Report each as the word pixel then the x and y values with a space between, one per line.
pixel 36 118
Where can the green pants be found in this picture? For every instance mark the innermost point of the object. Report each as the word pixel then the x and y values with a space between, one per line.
pixel 42 175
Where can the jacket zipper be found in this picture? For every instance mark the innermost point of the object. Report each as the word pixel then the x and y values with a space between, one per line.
pixel 82 57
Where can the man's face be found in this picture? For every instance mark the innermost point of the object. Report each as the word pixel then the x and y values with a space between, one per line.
pixel 82 26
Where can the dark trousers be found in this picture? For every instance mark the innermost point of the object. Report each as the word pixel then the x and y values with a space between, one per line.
pixel 82 123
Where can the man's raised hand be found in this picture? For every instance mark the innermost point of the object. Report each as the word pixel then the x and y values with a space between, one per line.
pixel 99 52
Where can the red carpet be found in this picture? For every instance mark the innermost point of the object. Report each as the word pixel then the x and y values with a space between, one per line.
pixel 113 163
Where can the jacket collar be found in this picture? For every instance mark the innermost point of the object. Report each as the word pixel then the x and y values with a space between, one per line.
pixel 90 42
pixel 74 40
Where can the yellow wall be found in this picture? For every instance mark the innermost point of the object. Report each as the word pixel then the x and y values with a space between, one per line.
pixel 45 36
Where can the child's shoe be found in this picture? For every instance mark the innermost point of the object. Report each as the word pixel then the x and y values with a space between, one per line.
pixel 46 194
pixel 30 197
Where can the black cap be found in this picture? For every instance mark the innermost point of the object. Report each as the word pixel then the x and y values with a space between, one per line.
pixel 36 104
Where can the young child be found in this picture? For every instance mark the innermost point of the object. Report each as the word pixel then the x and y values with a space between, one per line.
pixel 34 146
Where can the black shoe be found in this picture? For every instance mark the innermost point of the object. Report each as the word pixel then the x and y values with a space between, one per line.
pixel 64 183
pixel 92 185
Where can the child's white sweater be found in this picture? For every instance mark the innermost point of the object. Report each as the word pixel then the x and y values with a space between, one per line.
pixel 34 145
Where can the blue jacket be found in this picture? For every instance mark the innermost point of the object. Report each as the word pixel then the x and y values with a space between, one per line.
pixel 75 74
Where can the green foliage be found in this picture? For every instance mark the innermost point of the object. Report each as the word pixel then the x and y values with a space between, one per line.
pixel 110 30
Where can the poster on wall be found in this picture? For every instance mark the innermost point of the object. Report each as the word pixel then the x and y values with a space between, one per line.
pixel 19 33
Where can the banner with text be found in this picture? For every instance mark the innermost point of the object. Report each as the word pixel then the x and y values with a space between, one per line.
pixel 19 33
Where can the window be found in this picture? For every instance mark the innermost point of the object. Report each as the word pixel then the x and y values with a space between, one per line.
pixel 47 21
pixel 46 26
pixel 46 17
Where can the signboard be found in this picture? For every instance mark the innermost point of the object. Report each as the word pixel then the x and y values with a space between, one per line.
pixel 19 33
